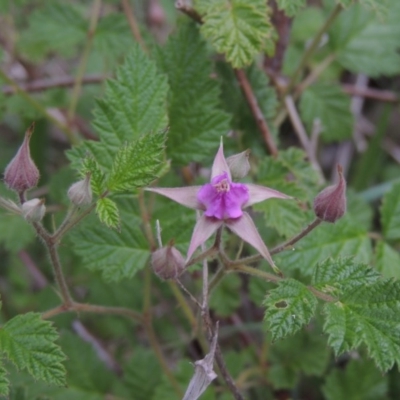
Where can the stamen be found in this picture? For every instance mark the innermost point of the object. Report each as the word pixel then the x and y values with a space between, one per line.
pixel 222 186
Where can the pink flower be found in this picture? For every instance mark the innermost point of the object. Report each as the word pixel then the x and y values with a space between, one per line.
pixel 223 202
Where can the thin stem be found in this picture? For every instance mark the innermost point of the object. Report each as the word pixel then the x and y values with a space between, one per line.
pixel 130 16
pixel 58 274
pixel 313 46
pixel 84 59
pixel 39 108
pixel 51 83
pixel 302 135
pixel 210 252
pixel 96 309
pixel 189 11
pixel 256 111
pixel 370 93
pixel 216 279
pixel 183 304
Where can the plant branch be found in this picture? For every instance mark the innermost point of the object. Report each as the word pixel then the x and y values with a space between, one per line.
pixel 51 83
pixel 39 108
pixel 133 25
pixel 84 59
pixel 302 135
pixel 256 111
pixel 189 11
pixel 370 93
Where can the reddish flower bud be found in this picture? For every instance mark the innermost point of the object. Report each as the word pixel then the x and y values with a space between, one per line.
pixel 21 173
pixel 80 193
pixel 167 262
pixel 330 204
pixel 33 210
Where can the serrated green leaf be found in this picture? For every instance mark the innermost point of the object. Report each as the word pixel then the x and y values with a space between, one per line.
pixel 342 275
pixel 4 382
pixel 328 103
pixel 28 341
pixel 387 260
pixel 97 176
pixel 136 164
pixel 366 44
pixel 305 352
pixel 291 7
pixel 390 213
pixel 371 384
pixel 288 307
pixel 108 213
pixel 134 104
pixel 367 314
pixel 196 122
pixel 143 374
pixel 286 216
pixel 328 240
pixel 238 28
pixel 118 255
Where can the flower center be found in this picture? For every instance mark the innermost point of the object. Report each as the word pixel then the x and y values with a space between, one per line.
pixel 222 198
pixel 223 186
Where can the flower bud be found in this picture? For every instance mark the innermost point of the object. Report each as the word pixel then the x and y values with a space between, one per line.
pixel 167 262
pixel 33 210
pixel 80 193
pixel 21 173
pixel 330 204
pixel 239 164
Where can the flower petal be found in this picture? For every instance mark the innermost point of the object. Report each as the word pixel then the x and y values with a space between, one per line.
pixel 244 227
pixel 187 196
pixel 259 193
pixel 220 165
pixel 203 229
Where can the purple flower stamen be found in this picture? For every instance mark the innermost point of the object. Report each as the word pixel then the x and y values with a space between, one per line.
pixel 222 198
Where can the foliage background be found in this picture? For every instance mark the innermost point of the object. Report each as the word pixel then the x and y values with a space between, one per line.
pixel 175 73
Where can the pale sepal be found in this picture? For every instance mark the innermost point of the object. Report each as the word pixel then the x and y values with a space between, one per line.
pixel 220 165
pixel 187 196
pixel 259 193
pixel 203 229
pixel 244 227
pixel 239 164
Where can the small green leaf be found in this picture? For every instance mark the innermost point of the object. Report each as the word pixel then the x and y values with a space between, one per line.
pixel 108 213
pixel 134 104
pixel 288 307
pixel 329 104
pixel 4 382
pixel 136 164
pixel 97 176
pixel 371 384
pixel 387 260
pixel 196 119
pixel 367 314
pixel 390 213
pixel 238 28
pixel 291 7
pixel 336 276
pixel 118 255
pixel 28 341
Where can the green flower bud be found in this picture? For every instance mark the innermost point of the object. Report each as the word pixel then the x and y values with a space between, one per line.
pixel 33 210
pixel 80 193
